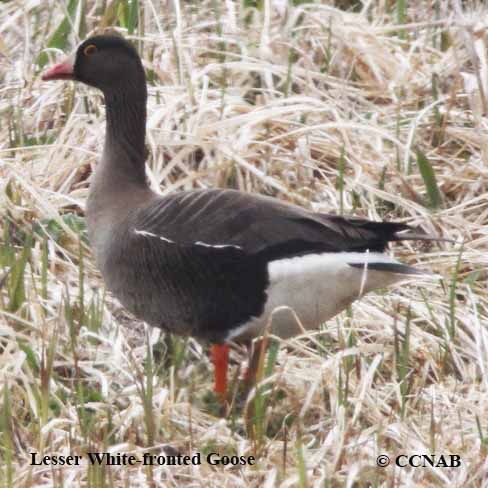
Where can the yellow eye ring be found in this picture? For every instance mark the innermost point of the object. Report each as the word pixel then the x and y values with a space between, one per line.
pixel 90 49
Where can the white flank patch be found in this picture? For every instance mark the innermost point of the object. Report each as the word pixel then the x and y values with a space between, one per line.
pixel 315 287
pixel 364 276
pixel 327 263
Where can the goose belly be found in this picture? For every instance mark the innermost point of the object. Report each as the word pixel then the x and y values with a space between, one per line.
pixel 308 290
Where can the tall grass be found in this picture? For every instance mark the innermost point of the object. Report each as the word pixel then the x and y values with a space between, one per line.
pixel 373 109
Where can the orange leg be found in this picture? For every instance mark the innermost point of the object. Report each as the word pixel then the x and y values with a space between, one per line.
pixel 220 358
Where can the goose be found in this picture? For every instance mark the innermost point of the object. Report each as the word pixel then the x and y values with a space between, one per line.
pixel 220 265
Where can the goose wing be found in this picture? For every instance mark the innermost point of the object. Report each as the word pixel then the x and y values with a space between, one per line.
pixel 260 225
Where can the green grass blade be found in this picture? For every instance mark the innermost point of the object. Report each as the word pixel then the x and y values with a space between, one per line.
pixel 428 175
pixel 133 16
pixel 401 11
pixel 59 39
pixel 17 294
pixel 6 442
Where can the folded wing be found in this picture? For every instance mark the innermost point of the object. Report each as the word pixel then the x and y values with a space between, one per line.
pixel 261 226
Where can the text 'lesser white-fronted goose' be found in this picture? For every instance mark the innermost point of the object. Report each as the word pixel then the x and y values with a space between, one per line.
pixel 214 263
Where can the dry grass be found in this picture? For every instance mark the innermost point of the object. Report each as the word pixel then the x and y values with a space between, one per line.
pixel 376 111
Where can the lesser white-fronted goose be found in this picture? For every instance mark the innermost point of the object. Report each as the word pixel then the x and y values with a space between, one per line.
pixel 215 263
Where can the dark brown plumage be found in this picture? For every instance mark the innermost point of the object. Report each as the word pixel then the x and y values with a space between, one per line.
pixel 213 263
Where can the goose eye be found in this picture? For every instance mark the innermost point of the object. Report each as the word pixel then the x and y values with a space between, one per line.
pixel 90 49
